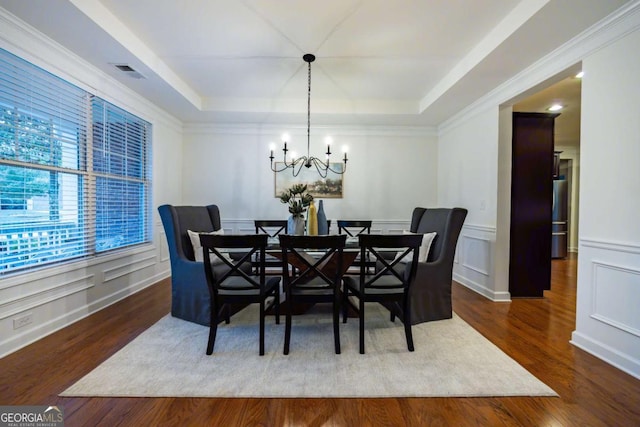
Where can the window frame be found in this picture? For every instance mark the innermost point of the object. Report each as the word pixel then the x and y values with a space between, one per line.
pixel 136 149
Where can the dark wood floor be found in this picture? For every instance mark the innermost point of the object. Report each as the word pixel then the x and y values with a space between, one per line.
pixel 535 332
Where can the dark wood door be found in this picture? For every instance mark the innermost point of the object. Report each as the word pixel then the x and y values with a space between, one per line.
pixel 531 204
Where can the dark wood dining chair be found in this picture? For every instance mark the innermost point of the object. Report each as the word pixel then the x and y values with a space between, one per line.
pixel 272 228
pixel 230 279
pixel 312 278
pixel 390 284
pixel 354 228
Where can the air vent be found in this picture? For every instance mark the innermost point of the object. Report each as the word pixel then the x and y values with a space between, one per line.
pixel 130 71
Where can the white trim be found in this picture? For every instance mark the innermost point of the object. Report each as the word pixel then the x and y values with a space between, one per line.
pixel 609 354
pixel 595 265
pixel 465 264
pixel 42 330
pixel 294 129
pixel 482 228
pixel 482 290
pixel 51 56
pixel 47 295
pixel 632 248
pixel 128 268
pixel 20 278
pixel 607 31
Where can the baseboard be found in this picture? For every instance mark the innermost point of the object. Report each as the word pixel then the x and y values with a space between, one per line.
pixel 610 355
pixel 482 290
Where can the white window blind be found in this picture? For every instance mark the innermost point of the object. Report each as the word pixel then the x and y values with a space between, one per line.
pixel 74 170
pixel 120 166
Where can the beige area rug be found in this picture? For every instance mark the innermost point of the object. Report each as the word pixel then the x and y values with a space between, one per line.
pixel 451 359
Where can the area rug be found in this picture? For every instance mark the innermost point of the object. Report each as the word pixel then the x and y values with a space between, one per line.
pixel 451 359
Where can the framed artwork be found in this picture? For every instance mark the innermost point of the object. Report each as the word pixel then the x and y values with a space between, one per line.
pixel 320 188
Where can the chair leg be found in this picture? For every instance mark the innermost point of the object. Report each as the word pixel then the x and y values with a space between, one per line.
pixel 227 315
pixel 336 323
pixel 345 303
pixel 287 327
pixel 406 313
pixel 277 305
pixel 361 315
pixel 262 316
pixel 213 329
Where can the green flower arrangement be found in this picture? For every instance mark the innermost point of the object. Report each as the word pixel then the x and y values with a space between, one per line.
pixel 298 199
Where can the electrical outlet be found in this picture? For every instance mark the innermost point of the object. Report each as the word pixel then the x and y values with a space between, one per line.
pixel 19 322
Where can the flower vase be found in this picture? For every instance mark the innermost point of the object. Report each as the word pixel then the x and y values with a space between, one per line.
pixel 295 225
pixel 323 225
pixel 312 220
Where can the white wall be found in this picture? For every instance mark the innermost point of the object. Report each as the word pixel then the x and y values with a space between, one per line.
pixel 56 297
pixel 390 172
pixel 607 317
pixel 467 177
pixel 608 314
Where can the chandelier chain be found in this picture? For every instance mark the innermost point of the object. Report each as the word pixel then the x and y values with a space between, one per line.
pixel 308 161
pixel 308 107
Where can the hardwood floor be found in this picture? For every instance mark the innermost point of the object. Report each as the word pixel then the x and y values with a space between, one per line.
pixel 535 332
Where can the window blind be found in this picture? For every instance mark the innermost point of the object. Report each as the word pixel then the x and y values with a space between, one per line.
pixel 74 170
pixel 121 190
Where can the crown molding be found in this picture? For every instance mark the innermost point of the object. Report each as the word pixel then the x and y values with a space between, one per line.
pixel 610 29
pixel 25 41
pixel 298 129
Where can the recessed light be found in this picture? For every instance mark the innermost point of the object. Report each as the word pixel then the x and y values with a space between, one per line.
pixel 579 75
pixel 555 107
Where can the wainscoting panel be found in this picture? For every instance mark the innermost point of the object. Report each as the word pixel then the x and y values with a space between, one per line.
pixel 245 226
pixel 609 282
pixel 473 263
pixel 608 297
pixel 128 267
pixel 477 256
pixel 40 302
pixel 164 248
pixel 44 295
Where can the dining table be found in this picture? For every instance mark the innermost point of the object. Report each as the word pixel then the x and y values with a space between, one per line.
pixel 349 254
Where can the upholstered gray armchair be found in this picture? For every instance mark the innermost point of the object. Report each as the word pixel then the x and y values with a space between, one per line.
pixel 190 298
pixel 431 291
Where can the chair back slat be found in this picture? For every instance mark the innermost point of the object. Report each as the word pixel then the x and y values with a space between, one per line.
pixel 245 246
pixel 271 227
pixel 376 244
pixel 354 228
pixel 295 252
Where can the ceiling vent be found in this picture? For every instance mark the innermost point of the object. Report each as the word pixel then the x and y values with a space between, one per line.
pixel 130 71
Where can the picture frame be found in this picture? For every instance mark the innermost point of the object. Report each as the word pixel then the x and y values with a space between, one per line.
pixel 330 187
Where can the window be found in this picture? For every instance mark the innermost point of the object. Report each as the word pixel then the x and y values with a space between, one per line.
pixel 74 170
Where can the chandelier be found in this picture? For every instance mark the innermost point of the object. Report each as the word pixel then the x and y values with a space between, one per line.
pixel 296 164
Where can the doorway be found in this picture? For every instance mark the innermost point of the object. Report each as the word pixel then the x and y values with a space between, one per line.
pixel 563 89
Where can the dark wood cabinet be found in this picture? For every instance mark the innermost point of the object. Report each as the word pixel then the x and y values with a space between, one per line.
pixel 531 204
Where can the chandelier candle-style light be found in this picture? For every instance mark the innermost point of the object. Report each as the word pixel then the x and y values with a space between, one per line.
pixel 295 164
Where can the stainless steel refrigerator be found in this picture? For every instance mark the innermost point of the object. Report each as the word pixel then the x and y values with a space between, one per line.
pixel 559 225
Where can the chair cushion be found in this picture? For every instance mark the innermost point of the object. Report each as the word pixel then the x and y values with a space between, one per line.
pixel 194 236
pixel 425 247
pixel 241 282
pixel 388 280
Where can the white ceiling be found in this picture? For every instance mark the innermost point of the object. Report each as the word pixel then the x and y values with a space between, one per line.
pixel 379 62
